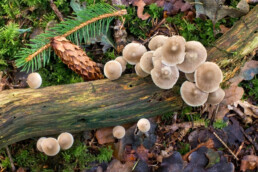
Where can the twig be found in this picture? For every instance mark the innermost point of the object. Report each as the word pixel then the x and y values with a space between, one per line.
pixel 10 158
pixel 55 9
pixel 249 139
pixel 215 134
pixel 240 148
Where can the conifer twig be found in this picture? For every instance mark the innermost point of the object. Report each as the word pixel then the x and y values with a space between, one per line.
pixel 10 158
pixel 117 13
pixel 55 9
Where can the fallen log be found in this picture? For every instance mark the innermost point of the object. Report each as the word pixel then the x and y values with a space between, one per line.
pixel 26 113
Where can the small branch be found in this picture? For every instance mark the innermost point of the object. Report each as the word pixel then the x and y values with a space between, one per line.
pixel 55 9
pixel 215 134
pixel 250 139
pixel 117 13
pixel 10 158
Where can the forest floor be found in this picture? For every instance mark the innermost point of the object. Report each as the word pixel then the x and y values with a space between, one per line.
pixel 185 140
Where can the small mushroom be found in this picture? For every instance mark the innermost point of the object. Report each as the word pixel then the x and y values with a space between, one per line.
pixel 143 125
pixel 165 77
pixel 192 95
pixel 119 132
pixel 39 143
pixel 122 61
pixel 34 80
pixel 173 51
pixel 196 55
pixel 50 146
pixel 208 77
pixel 132 52
pixel 113 70
pixel 157 55
pixel 216 97
pixel 146 62
pixel 139 71
pixel 65 140
pixel 190 77
pixel 157 41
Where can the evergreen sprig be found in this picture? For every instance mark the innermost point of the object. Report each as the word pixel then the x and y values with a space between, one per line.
pixel 90 23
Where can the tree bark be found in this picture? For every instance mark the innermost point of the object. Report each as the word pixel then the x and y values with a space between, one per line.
pixel 26 113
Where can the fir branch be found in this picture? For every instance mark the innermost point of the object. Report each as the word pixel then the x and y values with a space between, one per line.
pixel 90 23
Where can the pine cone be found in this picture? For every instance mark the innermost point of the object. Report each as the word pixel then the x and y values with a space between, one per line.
pixel 76 59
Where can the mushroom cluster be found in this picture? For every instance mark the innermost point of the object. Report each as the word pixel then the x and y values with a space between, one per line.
pixel 51 146
pixel 143 125
pixel 168 56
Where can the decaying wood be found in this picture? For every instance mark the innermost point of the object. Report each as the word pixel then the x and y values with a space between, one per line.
pixel 27 113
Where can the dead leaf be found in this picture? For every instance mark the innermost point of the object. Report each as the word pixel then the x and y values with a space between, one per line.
pixel 249 70
pixel 117 166
pixel 105 135
pixel 232 94
pixel 249 162
pixel 173 163
pixel 223 28
pixel 129 154
pixel 173 7
pixel 252 1
pixel 249 109
pixel 216 10
pixel 21 170
pixel 142 153
pixel 140 7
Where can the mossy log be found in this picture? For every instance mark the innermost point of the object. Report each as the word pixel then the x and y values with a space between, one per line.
pixel 26 113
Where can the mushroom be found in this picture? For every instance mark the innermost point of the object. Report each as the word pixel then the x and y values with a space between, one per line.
pixel 192 95
pixel 216 97
pixel 34 80
pixel 139 71
pixel 65 140
pixel 146 62
pixel 157 55
pixel 143 125
pixel 196 55
pixel 113 70
pixel 50 146
pixel 39 143
pixel 190 77
pixel 122 61
pixel 208 77
pixel 119 132
pixel 165 77
pixel 173 51
pixel 132 52
pixel 157 41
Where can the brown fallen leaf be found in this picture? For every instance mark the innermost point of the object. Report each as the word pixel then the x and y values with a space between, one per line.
pixel 21 170
pixel 232 94
pixel 209 144
pixel 105 135
pixel 249 162
pixel 142 153
pixel 249 109
pixel 223 28
pixel 140 7
pixel 129 154
pixel 117 166
pixel 252 1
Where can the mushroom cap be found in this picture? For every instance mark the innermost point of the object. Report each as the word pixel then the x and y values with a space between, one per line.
pixel 208 77
pixel 190 77
pixel 164 77
pixel 157 55
pixel 192 95
pixel 119 132
pixel 113 70
pixel 65 140
pixel 132 52
pixel 39 143
pixel 143 125
pixel 173 51
pixel 157 41
pixel 196 55
pixel 50 146
pixel 122 61
pixel 139 71
pixel 146 62
pixel 216 97
pixel 34 80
